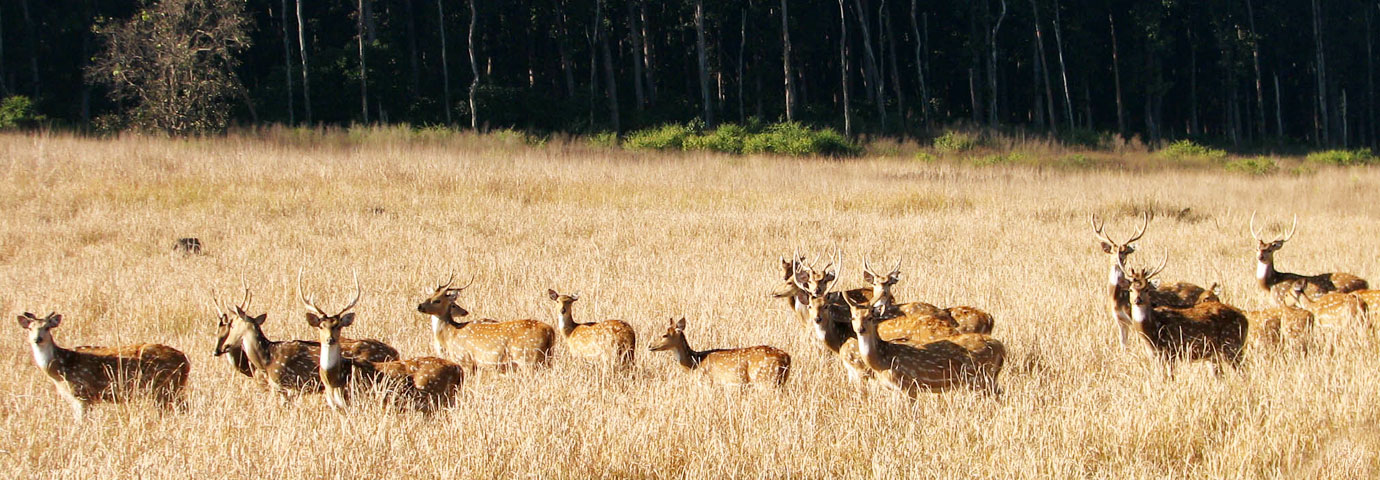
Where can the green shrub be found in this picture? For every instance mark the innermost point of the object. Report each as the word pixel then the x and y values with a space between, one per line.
pixel 604 139
pixel 793 138
pixel 926 157
pixel 18 111
pixel 666 137
pixel 728 138
pixel 999 159
pixel 954 141
pixel 1253 166
pixel 1342 157
pixel 1076 160
pixel 1188 150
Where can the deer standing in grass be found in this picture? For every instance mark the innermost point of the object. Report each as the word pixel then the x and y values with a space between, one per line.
pixel 760 365
pixel 970 360
pixel 423 383
pixel 289 366
pixel 1339 314
pixel 610 342
pixel 1180 294
pixel 86 375
pixel 500 345
pixel 1210 330
pixel 1279 286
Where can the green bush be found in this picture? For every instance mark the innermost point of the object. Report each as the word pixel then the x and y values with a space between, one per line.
pixel 728 138
pixel 793 138
pixel 954 141
pixel 666 137
pixel 998 159
pixel 18 111
pixel 604 139
pixel 1188 150
pixel 1342 157
pixel 1253 166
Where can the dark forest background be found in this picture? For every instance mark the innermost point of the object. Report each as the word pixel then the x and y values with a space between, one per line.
pixel 1245 73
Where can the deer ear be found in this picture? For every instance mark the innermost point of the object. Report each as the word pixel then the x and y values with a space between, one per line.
pixel 680 325
pixel 313 320
pixel 867 276
pixel 24 321
pixel 552 293
pixel 259 320
pixel 1106 248
pixel 346 319
pixel 54 320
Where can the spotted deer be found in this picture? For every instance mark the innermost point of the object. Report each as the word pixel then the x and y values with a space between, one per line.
pixel 286 367
pixel 796 299
pixel 1338 314
pixel 1279 286
pixel 1210 330
pixel 87 375
pixel 610 342
pixel 1280 328
pixel 967 319
pixel 423 383
pixel 1179 294
pixel 759 365
pixel 969 360
pixel 485 343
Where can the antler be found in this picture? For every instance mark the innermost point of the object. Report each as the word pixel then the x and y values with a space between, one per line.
pixel 1164 260
pixel 448 282
pixel 458 290
pixel 1097 229
pixel 1282 238
pixel 305 302
pixel 1254 233
pixel 1290 234
pixel 358 293
pixel 868 268
pixel 1097 225
pixel 897 269
pixel 1144 222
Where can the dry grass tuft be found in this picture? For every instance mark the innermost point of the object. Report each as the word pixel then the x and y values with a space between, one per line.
pixel 86 228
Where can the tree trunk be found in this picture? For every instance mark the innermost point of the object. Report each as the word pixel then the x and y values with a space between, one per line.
pixel 1043 68
pixel 32 36
pixel 647 54
pixel 1194 124
pixel 1370 79
pixel 920 43
pixel 1063 69
pixel 611 85
pixel 306 83
pixel 635 33
pixel 1279 111
pixel 414 84
pixel 363 71
pixel 786 62
pixel 992 108
pixel 1116 77
pixel 4 79
pixel 1321 69
pixel 287 64
pixel 445 63
pixel 974 96
pixel 1255 61
pixel 474 67
pixel 742 44
pixel 870 73
pixel 885 17
pixel 843 61
pixel 595 30
pixel 703 60
pixel 563 50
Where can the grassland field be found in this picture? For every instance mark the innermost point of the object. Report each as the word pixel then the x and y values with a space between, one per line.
pixel 87 224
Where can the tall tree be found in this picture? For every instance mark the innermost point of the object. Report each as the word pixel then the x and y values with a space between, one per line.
pixel 742 44
pixel 1043 67
pixel 474 67
pixel 786 62
pixel 992 115
pixel 843 62
pixel 920 43
pixel 1255 61
pixel 32 36
pixel 1320 67
pixel 635 33
pixel 287 63
pixel 872 78
pixel 1116 76
pixel 306 83
pixel 445 64
pixel 703 61
pixel 610 84
pixel 884 16
pixel 1063 67
pixel 363 70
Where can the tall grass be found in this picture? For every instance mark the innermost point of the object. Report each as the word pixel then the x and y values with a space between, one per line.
pixel 86 228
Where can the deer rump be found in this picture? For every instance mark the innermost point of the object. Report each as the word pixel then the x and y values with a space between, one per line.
pixel 416 384
pixel 1201 332
pixel 110 374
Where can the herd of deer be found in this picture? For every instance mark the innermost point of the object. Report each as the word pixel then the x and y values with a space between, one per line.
pixel 911 347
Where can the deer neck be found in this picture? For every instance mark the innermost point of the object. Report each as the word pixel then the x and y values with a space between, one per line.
pixel 1265 272
pixel 1116 278
pixel 45 355
pixel 332 362
pixel 1142 314
pixel 255 347
pixel 828 332
pixel 881 298
pixel 566 319
pixel 870 347
pixel 687 357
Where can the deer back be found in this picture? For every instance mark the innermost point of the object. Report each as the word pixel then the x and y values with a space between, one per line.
pixel 525 342
pixel 752 365
pixel 610 340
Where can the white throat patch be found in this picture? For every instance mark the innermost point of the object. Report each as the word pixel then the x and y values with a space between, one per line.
pixel 1261 269
pixel 43 354
pixel 330 357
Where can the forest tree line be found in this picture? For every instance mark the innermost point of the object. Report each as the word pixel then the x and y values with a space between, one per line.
pixel 1237 72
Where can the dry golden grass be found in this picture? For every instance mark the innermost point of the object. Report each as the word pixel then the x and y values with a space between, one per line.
pixel 86 229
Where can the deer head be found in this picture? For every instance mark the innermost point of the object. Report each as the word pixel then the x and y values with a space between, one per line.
pixel 1118 250
pixel 1140 283
pixel 673 338
pixel 230 332
pixel 38 327
pixel 877 280
pixel 442 300
pixel 317 317
pixel 1267 249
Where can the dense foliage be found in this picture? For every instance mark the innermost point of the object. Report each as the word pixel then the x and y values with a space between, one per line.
pixel 1242 72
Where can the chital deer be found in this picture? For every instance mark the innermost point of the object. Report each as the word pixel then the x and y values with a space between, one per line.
pixel 1180 294
pixel 1280 328
pixel 797 300
pixel 966 319
pixel 230 340
pixel 1210 330
pixel 763 365
pixel 610 342
pixel 286 367
pixel 1336 312
pixel 88 375
pixel 500 345
pixel 965 360
pixel 423 383
pixel 1279 286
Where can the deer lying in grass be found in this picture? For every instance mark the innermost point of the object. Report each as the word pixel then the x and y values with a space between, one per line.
pixel 1279 286
pixel 286 367
pixel 966 319
pixel 966 360
pixel 610 342
pixel 1210 330
pixel 1288 328
pixel 761 365
pixel 485 343
pixel 423 383
pixel 1339 314
pixel 1179 294
pixel 88 375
